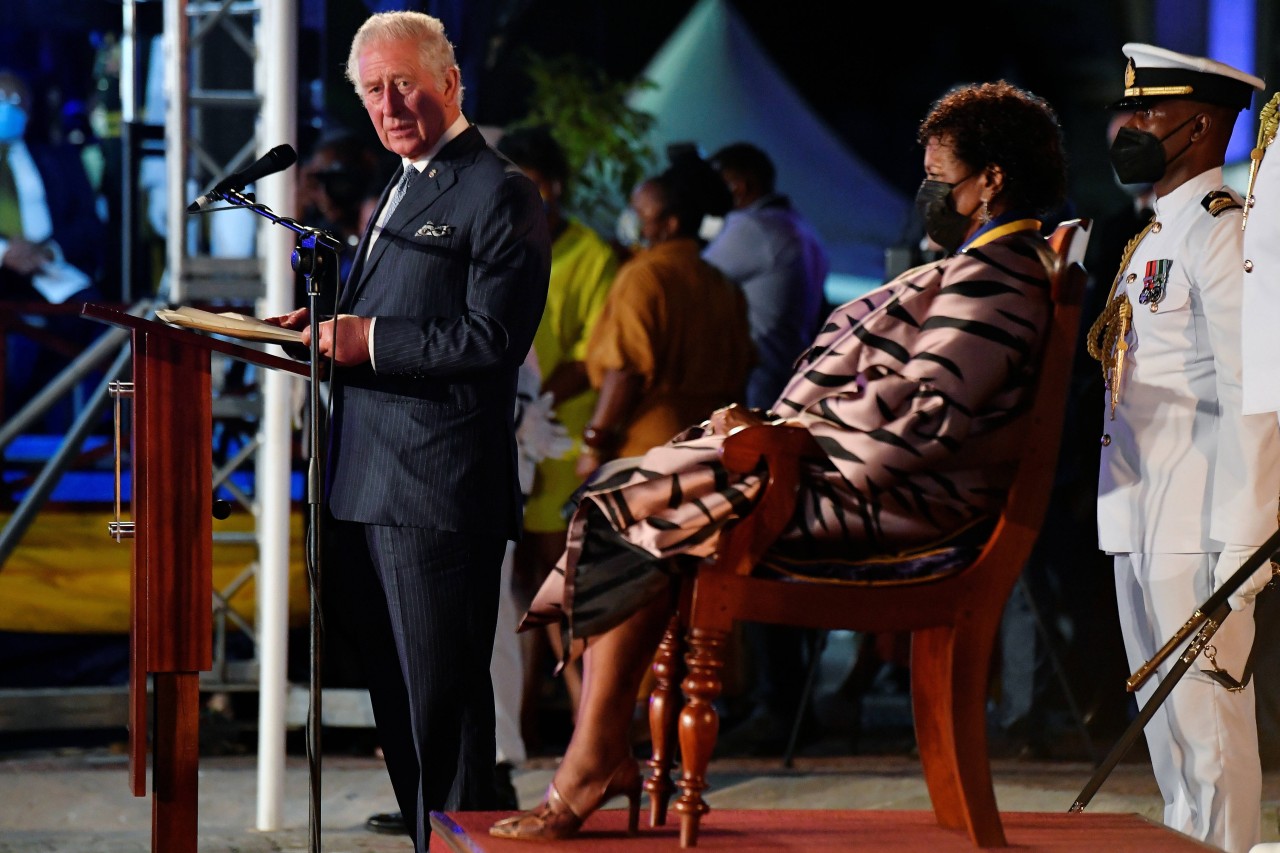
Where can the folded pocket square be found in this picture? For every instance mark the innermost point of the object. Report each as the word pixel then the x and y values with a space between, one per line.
pixel 431 229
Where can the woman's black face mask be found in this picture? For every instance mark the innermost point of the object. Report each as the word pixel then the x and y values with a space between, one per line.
pixel 936 205
pixel 1138 155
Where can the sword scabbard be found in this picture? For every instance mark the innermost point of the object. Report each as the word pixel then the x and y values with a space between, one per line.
pixel 1143 672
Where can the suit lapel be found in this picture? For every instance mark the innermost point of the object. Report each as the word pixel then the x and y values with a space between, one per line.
pixel 358 266
pixel 440 176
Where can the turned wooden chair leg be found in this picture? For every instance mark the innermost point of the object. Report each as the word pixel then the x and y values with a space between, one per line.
pixel 668 670
pixel 699 726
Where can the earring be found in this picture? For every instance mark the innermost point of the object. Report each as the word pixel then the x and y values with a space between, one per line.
pixel 984 215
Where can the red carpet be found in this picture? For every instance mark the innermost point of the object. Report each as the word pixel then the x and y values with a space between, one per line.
pixel 750 831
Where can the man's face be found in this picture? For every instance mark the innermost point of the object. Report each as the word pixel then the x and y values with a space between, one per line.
pixel 13 108
pixel 738 187
pixel 1169 119
pixel 1179 125
pixel 409 106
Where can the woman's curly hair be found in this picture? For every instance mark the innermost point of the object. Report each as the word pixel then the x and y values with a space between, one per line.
pixel 1003 125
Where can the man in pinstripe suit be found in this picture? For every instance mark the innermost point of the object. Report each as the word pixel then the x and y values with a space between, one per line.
pixel 437 315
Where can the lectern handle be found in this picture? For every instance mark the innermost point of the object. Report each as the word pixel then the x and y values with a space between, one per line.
pixel 119 530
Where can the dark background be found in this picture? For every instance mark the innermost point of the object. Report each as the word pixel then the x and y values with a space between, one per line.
pixel 869 70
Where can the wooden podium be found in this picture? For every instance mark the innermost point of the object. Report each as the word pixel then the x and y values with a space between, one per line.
pixel 171 586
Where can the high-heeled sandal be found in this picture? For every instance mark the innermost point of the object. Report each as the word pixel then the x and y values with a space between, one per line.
pixel 556 819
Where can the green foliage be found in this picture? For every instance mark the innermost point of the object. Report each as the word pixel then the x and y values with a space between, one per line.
pixel 604 139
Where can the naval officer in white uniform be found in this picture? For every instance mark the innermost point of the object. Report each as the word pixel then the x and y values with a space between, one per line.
pixel 1188 483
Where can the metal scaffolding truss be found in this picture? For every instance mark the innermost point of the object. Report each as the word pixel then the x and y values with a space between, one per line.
pixel 199 42
pixel 214 99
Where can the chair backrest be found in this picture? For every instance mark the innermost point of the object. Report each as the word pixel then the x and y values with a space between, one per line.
pixel 953 618
pixel 1028 498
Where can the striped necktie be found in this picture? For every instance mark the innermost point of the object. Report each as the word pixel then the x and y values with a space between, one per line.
pixel 406 178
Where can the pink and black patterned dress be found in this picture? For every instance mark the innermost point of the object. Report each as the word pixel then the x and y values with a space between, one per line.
pixel 913 393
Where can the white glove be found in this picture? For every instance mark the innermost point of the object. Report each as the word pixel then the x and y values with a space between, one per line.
pixel 1229 561
pixel 539 435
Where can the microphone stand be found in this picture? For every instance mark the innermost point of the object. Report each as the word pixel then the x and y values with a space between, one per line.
pixel 1217 609
pixel 308 260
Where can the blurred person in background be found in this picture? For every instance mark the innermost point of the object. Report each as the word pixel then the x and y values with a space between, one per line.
pixel 52 248
pixel 583 267
pixel 673 341
pixel 769 249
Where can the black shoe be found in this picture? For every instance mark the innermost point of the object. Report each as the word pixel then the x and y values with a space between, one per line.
pixel 507 799
pixel 387 823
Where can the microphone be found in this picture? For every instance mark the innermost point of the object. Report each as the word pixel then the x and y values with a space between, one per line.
pixel 276 160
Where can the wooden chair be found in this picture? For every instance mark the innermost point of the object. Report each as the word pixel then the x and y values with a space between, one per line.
pixel 953 619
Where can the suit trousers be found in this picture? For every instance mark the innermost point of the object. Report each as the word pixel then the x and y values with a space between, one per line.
pixel 419 606
pixel 1204 738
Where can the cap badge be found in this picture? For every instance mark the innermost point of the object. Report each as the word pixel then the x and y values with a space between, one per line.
pixel 1130 74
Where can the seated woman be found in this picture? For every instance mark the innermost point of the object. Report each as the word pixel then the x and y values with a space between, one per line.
pixel 907 393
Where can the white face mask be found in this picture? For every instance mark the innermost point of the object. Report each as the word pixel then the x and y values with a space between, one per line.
pixel 13 122
pixel 627 228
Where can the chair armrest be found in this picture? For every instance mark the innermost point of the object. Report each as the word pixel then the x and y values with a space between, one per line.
pixel 743 448
pixel 781 447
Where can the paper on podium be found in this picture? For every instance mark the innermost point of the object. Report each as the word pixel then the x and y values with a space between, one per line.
pixel 228 323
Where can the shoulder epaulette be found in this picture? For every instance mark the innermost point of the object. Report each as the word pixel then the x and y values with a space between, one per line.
pixel 1220 201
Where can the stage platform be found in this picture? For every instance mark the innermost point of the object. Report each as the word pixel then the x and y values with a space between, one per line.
pixel 827 831
pixel 78 801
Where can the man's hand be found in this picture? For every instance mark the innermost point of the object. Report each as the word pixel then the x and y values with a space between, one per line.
pixel 1229 561
pixel 345 339
pixel 25 257
pixel 295 319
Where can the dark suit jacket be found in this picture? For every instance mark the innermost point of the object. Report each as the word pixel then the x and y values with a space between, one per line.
pixel 457 281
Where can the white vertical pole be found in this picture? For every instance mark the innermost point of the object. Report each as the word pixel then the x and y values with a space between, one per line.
pixel 276 82
pixel 177 123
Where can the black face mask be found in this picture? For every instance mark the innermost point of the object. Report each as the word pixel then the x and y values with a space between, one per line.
pixel 1138 156
pixel 945 225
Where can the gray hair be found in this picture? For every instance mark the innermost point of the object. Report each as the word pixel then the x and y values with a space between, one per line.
pixel 435 53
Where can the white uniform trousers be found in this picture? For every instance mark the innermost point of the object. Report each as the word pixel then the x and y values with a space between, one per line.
pixel 1204 738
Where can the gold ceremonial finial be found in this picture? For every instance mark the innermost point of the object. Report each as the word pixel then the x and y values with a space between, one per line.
pixel 1268 120
pixel 1108 336
pixel 1107 343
